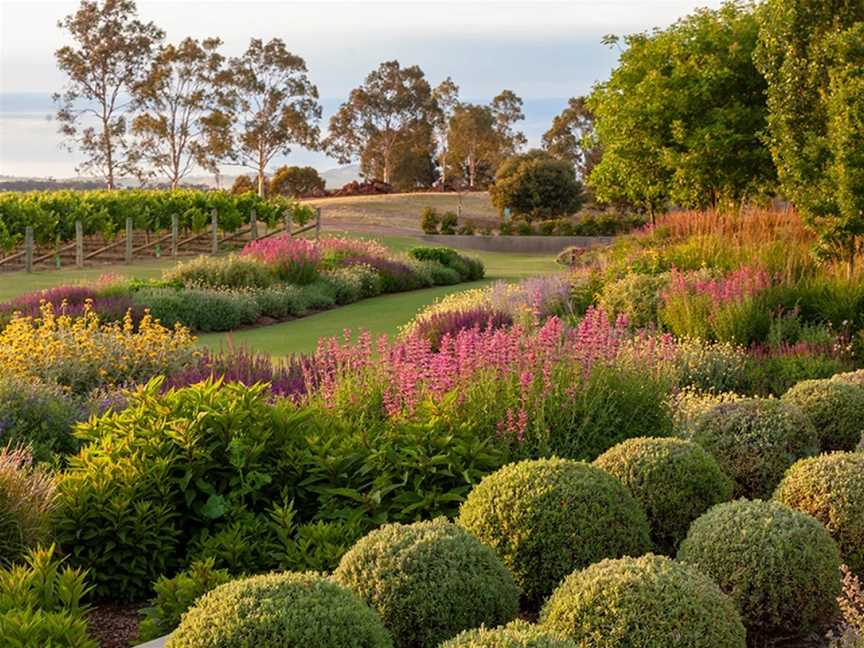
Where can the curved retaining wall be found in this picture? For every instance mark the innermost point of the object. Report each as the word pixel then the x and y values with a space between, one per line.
pixel 523 244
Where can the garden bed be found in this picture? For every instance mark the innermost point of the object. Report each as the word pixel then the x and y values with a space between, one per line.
pixel 516 244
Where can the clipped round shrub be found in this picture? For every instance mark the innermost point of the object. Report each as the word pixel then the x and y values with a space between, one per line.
pixel 429 581
pixel 547 517
pixel 280 609
pixel 755 440
pixel 831 489
pixel 648 601
pixel 779 565
pixel 836 409
pixel 850 377
pixel 676 481
pixel 518 634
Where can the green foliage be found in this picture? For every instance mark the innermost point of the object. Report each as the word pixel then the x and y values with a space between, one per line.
pixel 39 415
pixel 27 497
pixel 429 581
pixel 449 221
pixel 755 441
pixel 536 185
pixel 547 517
pixel 647 601
pixel 176 595
pixel 780 566
pixel 830 487
pixel 281 302
pixel 200 309
pixel 429 220
pixel 232 271
pixel 518 634
pixel 41 604
pixel 288 609
pixel 637 296
pixel 296 181
pixel 468 268
pixel 53 213
pixel 775 374
pixel 835 408
pixel 681 116
pixel 675 481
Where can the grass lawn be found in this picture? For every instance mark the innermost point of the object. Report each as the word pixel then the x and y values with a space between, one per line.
pixel 381 315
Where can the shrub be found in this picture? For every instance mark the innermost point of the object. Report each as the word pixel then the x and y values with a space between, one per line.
pixel 755 441
pixel 41 604
pixel 835 408
pixel 711 367
pixel 27 497
pixel 288 609
pixel 647 601
pixel 84 353
pixel 780 566
pixel 850 377
pixel 396 276
pixel 232 271
pixel 449 221
pixel 547 517
pixel 294 260
pixel 201 309
pixel 518 634
pixel 676 481
pixel 355 282
pixel 39 415
pixel 776 371
pixel 434 327
pixel 637 296
pixel 439 274
pixel 429 220
pixel 536 185
pixel 280 302
pixel 688 405
pixel 176 595
pixel 830 487
pixel 429 581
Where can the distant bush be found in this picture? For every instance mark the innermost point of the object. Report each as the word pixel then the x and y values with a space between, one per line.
pixel 755 441
pixel 637 296
pixel 518 634
pixel 536 185
pixel 280 302
pixel 295 181
pixel 27 501
pixel 647 601
pixel 430 221
pixel 835 408
pixel 201 309
pixel 174 596
pixel 547 517
pixel 429 581
pixel 231 271
pixel 676 481
pixel 449 222
pixel 830 487
pixel 780 566
pixel 280 609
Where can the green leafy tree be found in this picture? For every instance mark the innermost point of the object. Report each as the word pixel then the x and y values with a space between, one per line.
pixel 571 137
pixel 682 116
pixel 379 116
pixel 274 106
pixel 475 147
pixel 536 185
pixel 812 61
pixel 111 51
pixel 180 122
pixel 507 111
pixel 242 184
pixel 295 181
pixel 446 98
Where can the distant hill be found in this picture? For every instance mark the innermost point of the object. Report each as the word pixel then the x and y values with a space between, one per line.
pixel 339 177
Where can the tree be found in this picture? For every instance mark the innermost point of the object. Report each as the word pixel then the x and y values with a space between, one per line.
pixel 536 185
pixel 475 145
pixel 807 53
pixel 507 110
pixel 571 137
pixel 446 98
pixel 242 184
pixel 296 181
pixel 180 122
pixel 411 159
pixel 682 116
pixel 380 115
pixel 274 105
pixel 112 48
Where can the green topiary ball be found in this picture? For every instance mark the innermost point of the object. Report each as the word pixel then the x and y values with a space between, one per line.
pixel 781 566
pixel 650 601
pixel 518 634
pixel 547 517
pixel 831 489
pixel 850 377
pixel 429 581
pixel 836 409
pixel 287 609
pixel 755 440
pixel 676 481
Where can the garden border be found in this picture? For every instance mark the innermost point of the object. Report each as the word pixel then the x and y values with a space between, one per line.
pixel 523 244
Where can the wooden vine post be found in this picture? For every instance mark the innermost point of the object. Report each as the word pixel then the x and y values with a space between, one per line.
pixel 253 226
pixel 214 232
pixel 317 223
pixel 175 233
pixel 129 234
pixel 79 244
pixel 28 248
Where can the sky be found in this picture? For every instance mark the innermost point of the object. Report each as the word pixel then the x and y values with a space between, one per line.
pixel 545 51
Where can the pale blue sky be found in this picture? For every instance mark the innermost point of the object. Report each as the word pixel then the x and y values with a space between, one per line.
pixel 544 51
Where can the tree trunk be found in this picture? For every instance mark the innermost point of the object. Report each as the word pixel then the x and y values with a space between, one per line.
pixel 444 170
pixel 261 183
pixel 472 167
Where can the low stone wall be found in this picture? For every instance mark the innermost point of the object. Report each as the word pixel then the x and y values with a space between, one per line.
pixel 518 244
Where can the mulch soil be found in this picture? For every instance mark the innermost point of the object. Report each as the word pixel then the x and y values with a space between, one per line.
pixel 114 625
